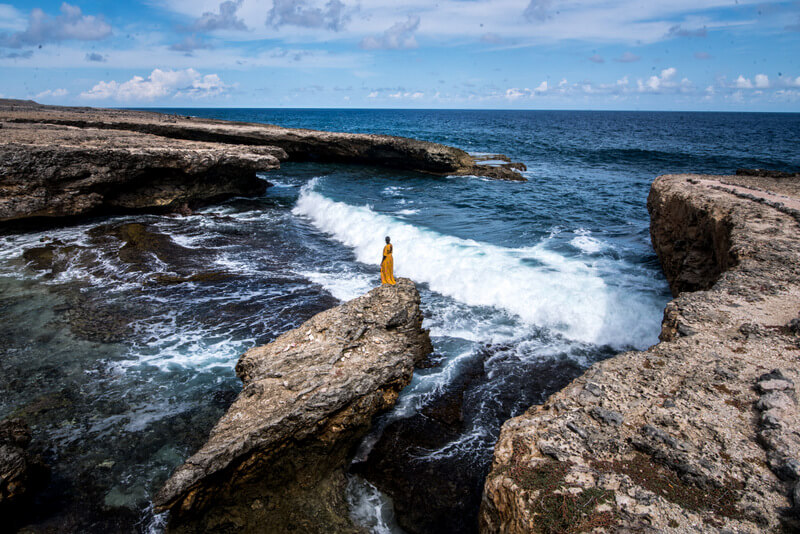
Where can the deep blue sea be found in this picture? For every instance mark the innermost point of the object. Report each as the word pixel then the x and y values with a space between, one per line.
pixel 523 286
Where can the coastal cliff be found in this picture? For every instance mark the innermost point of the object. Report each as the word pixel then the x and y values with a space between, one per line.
pixel 699 431
pixel 59 161
pixel 275 461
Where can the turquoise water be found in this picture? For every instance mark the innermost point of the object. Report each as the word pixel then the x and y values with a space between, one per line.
pixel 523 286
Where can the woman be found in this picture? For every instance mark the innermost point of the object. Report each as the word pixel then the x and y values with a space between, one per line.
pixel 387 264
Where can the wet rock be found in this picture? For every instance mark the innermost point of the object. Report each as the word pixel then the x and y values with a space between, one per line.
pixel 766 173
pixel 21 473
pixel 307 399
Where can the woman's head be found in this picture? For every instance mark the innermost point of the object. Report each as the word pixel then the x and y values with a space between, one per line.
pixel 387 239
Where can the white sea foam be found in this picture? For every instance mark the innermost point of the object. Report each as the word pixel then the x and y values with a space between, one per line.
pixel 370 508
pixel 407 212
pixel 561 293
pixel 587 244
pixel 342 285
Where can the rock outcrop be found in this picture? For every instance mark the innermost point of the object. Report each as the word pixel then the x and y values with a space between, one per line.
pixel 21 473
pixel 699 432
pixel 59 161
pixel 275 461
pixel 59 171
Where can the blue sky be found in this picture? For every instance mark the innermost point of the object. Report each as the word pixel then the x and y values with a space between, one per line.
pixel 737 55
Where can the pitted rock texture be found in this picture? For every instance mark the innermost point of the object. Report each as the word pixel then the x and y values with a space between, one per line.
pixel 699 432
pixel 59 171
pixel 295 144
pixel 275 461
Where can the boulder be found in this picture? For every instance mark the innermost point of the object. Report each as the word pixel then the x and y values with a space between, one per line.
pixel 275 462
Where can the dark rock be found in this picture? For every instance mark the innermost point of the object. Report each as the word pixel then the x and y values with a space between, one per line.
pixel 21 473
pixel 609 417
pixel 766 173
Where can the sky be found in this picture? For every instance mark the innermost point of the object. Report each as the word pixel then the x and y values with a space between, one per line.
pixel 726 55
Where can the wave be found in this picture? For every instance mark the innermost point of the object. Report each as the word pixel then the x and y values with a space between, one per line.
pixel 540 286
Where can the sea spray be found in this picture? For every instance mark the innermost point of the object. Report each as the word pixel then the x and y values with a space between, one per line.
pixel 541 286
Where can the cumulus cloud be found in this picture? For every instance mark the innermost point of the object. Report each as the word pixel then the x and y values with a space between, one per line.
pixel 628 57
pixel 665 82
pixel 407 94
pixel 189 44
pixel 597 58
pixel 761 81
pixel 678 31
pixel 538 10
pixel 226 19
pixel 400 35
pixel 743 83
pixel 332 16
pixel 52 93
pixel 94 56
pixel 160 84
pixel 71 24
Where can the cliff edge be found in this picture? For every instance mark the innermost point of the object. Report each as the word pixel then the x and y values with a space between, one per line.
pixel 275 461
pixel 699 432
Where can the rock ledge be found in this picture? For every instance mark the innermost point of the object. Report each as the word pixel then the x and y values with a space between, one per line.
pixel 276 459
pixel 699 432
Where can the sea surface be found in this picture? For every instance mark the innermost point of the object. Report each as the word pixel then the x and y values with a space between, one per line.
pixel 123 362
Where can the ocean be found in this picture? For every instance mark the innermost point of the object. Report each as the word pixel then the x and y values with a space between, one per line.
pixel 123 365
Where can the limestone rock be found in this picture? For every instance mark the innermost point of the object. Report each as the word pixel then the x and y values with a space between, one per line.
pixel 275 461
pixel 704 439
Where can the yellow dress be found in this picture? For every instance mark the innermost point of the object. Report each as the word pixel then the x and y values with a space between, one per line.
pixel 387 266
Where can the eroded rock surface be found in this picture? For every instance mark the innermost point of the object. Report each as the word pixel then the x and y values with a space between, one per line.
pixel 275 462
pixel 58 171
pixel 698 433
pixel 60 161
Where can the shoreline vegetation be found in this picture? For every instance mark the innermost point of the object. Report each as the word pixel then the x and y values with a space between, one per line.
pixel 700 429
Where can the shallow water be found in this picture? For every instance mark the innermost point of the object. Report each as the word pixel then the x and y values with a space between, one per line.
pixel 122 373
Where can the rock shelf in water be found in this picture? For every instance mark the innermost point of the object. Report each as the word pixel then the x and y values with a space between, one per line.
pixel 275 461
pixel 699 432
pixel 60 161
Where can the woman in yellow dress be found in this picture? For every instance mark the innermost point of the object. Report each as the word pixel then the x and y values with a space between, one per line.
pixel 387 264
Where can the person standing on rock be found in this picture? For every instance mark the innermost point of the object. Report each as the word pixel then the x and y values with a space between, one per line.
pixel 387 264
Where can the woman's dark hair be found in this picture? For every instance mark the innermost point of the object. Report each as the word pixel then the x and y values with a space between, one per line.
pixel 387 239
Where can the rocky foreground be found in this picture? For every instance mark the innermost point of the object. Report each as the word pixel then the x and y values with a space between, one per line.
pixel 275 461
pixel 702 431
pixel 59 161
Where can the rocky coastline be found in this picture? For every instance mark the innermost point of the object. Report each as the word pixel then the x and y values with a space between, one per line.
pixel 61 162
pixel 699 432
pixel 276 460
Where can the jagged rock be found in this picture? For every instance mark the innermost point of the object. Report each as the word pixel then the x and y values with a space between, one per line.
pixel 707 441
pixel 21 473
pixel 275 461
pixel 59 171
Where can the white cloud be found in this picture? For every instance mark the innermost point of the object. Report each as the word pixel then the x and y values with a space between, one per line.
pixel 160 84
pixel 542 88
pixel 71 24
pixel 538 10
pixel 743 83
pixel 762 81
pixel 400 35
pixel 661 83
pixel 52 93
pixel 407 94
